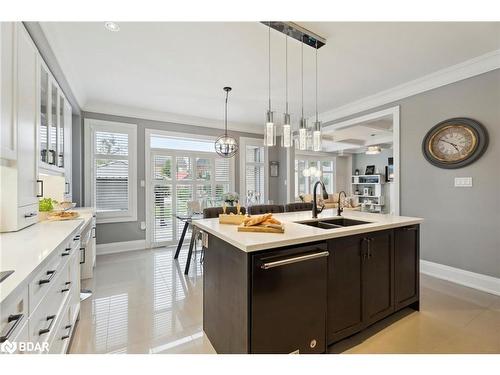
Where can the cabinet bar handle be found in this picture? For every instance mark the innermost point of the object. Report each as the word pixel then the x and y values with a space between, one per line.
pixel 69 187
pixel 31 214
pixel 13 321
pixel 66 289
pixel 68 327
pixel 409 228
pixel 66 252
pixel 93 232
pixel 50 275
pixel 82 249
pixel 41 188
pixel 43 331
pixel 300 258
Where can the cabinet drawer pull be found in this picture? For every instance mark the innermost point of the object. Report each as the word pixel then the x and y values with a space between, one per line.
pixel 13 321
pixel 31 214
pixel 66 252
pixel 66 336
pixel 407 229
pixel 82 257
pixel 41 188
pixel 67 283
pixel 76 238
pixel 50 275
pixel 50 318
pixel 300 258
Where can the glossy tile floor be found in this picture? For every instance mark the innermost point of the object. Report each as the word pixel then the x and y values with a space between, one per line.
pixel 143 303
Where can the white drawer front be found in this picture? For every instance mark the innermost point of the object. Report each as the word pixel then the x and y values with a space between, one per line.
pixel 62 333
pixel 44 280
pixel 13 315
pixel 46 316
pixel 74 271
pixel 27 215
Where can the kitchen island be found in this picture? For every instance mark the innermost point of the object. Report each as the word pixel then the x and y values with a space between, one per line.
pixel 320 281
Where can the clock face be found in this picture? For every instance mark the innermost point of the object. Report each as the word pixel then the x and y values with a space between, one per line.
pixel 453 143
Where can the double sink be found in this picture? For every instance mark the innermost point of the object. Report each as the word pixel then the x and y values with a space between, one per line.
pixel 341 222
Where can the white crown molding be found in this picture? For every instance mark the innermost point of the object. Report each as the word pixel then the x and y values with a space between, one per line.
pixel 470 68
pixel 146 114
pixel 488 284
pixel 120 247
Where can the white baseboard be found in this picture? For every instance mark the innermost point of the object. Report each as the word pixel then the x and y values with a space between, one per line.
pixel 474 280
pixel 120 247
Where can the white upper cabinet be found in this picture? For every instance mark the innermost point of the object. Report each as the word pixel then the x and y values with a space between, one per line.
pixel 7 124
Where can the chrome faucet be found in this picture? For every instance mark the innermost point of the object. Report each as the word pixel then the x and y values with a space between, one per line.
pixel 315 209
pixel 339 205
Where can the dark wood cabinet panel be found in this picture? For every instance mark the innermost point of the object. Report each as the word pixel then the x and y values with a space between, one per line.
pixel 378 277
pixel 406 259
pixel 289 301
pixel 344 283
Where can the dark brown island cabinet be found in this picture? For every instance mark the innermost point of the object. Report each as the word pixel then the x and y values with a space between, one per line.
pixel 302 298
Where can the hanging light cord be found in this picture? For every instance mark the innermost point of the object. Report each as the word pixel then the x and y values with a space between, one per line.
pixel 316 81
pixel 302 69
pixel 269 46
pixel 286 72
pixel 225 115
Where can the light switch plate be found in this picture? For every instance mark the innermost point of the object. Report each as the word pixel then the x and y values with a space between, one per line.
pixel 143 225
pixel 463 181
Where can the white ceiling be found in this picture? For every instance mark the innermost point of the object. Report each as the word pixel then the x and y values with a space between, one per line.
pixel 151 69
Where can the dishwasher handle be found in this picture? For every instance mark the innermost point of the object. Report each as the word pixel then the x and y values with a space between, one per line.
pixel 295 259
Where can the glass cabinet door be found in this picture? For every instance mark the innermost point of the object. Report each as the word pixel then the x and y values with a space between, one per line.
pixel 44 114
pixel 52 154
pixel 60 134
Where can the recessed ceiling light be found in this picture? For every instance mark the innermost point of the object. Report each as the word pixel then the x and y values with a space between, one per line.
pixel 111 26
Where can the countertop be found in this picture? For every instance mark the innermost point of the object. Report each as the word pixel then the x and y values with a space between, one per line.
pixel 296 233
pixel 25 250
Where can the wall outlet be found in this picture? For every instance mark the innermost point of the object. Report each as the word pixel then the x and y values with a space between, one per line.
pixel 143 225
pixel 463 181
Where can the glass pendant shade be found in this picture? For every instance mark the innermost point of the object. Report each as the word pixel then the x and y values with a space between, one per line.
pixel 286 137
pixel 317 136
pixel 269 130
pixel 303 134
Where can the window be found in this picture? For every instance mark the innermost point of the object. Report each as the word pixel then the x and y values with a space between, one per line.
pixel 111 154
pixel 304 184
pixel 253 170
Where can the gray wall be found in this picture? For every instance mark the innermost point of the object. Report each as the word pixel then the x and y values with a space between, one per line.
pixel 360 161
pixel 130 231
pixel 462 225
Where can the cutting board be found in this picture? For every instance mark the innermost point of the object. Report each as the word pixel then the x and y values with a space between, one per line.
pixel 261 229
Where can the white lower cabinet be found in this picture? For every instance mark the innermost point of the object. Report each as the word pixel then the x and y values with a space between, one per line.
pixel 40 317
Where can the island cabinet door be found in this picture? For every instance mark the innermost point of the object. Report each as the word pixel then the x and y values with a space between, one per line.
pixel 406 265
pixel 288 307
pixel 377 276
pixel 344 287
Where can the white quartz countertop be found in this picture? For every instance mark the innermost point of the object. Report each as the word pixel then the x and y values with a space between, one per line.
pixel 24 251
pixel 296 233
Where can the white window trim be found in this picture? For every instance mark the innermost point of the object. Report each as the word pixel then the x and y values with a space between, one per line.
pixel 90 125
pixel 148 151
pixel 243 158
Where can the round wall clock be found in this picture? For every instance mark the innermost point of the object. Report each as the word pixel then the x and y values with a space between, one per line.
pixel 455 143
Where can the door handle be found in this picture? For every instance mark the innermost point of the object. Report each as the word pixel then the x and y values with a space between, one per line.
pixel 82 249
pixel 69 187
pixel 93 232
pixel 369 248
pixel 13 321
pixel 52 318
pixel 41 188
pixel 50 275
pixel 300 258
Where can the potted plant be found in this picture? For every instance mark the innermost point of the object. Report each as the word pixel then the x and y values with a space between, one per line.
pixel 45 205
pixel 230 198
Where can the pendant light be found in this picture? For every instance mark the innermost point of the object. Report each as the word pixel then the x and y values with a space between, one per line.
pixel 286 137
pixel 226 146
pixel 303 121
pixel 317 124
pixel 269 128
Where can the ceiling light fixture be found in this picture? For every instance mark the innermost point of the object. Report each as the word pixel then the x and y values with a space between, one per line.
pixel 303 120
pixel 111 26
pixel 286 137
pixel 317 123
pixel 269 128
pixel 226 146
pixel 373 150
